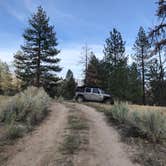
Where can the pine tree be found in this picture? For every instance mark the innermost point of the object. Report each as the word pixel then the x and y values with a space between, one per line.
pixel 141 57
pixel 134 84
pixel 156 73
pixel 22 69
pixel 158 36
pixel 115 48
pixel 158 33
pixel 39 53
pixel 93 73
pixel 69 86
pixel 157 87
pixel 116 64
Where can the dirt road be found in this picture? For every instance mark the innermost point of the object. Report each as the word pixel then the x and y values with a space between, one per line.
pixel 40 148
pixel 105 146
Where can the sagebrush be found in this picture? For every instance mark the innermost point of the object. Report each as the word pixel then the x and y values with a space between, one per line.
pixel 26 108
pixel 151 124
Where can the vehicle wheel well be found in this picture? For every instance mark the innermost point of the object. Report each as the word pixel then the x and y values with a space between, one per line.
pixel 80 96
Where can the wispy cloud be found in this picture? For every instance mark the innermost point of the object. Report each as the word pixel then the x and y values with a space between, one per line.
pixel 14 11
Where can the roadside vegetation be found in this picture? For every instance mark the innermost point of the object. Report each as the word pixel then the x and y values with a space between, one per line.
pixel 145 130
pixel 20 113
pixel 75 138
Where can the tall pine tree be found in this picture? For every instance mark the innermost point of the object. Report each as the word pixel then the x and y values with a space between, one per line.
pixel 114 48
pixel 69 86
pixel 92 74
pixel 39 53
pixel 141 56
pixel 158 33
pixel 134 84
pixel 116 64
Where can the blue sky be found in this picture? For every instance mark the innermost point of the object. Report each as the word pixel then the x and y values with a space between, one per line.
pixel 76 22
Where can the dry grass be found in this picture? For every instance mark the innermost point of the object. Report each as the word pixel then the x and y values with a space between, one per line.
pixel 75 138
pixel 3 99
pixel 147 108
pixel 131 107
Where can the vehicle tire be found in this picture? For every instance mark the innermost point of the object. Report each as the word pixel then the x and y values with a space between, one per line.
pixel 112 102
pixel 107 101
pixel 80 99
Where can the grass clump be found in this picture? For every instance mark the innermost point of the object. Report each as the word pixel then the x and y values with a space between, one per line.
pixel 24 109
pixel 77 123
pixel 119 112
pixel 75 137
pixel 15 131
pixel 71 143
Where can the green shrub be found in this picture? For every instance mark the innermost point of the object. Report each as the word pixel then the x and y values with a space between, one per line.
pixel 151 123
pixel 14 131
pixel 31 102
pixel 28 107
pixel 60 99
pixel 118 112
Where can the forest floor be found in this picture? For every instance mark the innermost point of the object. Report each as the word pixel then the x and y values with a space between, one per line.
pixel 72 135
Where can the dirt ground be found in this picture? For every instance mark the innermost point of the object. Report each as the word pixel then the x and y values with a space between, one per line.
pixel 40 148
pixel 105 146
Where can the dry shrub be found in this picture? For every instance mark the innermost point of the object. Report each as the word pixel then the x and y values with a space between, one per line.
pixel 28 108
pixel 151 123
pixel 119 112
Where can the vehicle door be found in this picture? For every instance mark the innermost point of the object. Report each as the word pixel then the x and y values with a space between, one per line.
pixel 88 93
pixel 96 95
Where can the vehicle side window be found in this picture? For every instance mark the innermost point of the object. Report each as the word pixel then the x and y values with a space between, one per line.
pixel 80 89
pixel 88 90
pixel 95 90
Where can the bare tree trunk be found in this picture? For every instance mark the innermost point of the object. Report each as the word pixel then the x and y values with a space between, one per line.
pixel 161 66
pixel 143 79
pixel 38 65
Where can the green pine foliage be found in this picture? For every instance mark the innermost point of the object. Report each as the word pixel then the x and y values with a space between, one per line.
pixel 93 72
pixel 134 90
pixel 116 64
pixel 141 57
pixel 37 64
pixel 69 86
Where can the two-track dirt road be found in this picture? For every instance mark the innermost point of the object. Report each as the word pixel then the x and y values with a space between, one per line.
pixel 40 148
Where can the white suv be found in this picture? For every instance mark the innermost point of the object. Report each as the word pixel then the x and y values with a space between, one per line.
pixel 93 94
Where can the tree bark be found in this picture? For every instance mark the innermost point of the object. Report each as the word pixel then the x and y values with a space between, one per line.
pixel 38 65
pixel 143 79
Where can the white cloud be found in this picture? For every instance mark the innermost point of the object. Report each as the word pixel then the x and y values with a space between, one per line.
pixel 129 52
pixel 71 55
pixel 7 56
